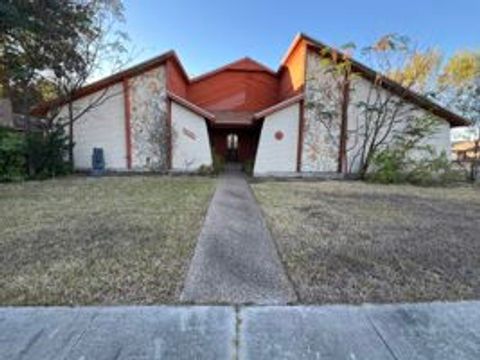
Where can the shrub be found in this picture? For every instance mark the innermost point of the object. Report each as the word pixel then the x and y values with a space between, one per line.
pixel 205 170
pixel 248 167
pixel 393 166
pixel 38 155
pixel 388 168
pixel 218 163
pixel 47 153
pixel 12 156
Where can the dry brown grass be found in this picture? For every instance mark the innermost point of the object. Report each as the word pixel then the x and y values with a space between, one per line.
pixel 125 240
pixel 353 242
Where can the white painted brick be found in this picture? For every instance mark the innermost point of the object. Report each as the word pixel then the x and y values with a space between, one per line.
pixel 191 144
pixel 275 155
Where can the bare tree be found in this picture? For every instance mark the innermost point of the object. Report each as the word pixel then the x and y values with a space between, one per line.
pixel 61 43
pixel 102 45
pixel 460 81
pixel 380 115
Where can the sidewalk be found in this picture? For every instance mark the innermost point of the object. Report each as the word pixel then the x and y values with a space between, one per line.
pixel 235 260
pixel 437 331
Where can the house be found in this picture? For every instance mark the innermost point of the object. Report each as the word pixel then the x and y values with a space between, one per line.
pixel 17 122
pixel 6 114
pixel 156 117
pixel 466 150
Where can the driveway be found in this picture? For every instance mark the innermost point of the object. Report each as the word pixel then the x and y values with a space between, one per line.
pixel 235 259
pixel 437 331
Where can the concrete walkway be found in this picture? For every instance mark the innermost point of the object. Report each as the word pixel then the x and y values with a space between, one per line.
pixel 435 331
pixel 235 260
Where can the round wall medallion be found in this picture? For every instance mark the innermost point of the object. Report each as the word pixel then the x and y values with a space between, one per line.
pixel 279 135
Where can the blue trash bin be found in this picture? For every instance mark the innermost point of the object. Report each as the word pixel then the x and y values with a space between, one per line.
pixel 98 162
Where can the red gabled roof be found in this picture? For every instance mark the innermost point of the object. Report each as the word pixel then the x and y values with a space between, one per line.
pixel 243 64
pixel 191 106
pixel 115 78
pixel 279 106
pixel 234 118
pixel 242 86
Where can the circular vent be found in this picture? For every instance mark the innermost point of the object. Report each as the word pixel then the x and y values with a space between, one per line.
pixel 279 135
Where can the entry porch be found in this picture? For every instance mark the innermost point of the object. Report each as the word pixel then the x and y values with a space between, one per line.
pixel 235 143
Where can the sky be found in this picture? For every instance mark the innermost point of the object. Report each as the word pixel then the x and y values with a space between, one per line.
pixel 208 34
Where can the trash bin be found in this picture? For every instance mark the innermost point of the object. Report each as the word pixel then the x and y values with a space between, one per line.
pixel 98 162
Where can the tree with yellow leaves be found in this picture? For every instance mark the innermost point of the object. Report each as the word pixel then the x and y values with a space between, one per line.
pixel 460 84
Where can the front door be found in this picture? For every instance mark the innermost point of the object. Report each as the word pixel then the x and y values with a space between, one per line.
pixel 232 147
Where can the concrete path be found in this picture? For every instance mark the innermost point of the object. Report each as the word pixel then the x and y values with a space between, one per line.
pixel 438 331
pixel 235 260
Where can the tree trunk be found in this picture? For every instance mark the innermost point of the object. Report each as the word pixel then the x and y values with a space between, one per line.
pixel 25 112
pixel 4 83
pixel 475 164
pixel 28 133
pixel 362 174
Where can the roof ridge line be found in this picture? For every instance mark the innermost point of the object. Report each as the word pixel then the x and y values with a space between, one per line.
pixel 193 107
pixel 278 106
pixel 230 64
pixel 112 79
pixel 420 100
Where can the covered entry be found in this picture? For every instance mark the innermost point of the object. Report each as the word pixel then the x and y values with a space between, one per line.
pixel 235 144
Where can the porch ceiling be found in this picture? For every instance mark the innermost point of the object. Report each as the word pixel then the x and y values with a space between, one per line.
pixel 234 118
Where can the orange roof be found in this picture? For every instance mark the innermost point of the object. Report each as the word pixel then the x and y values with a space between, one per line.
pixel 279 106
pixel 115 78
pixel 243 64
pixel 191 106
pixel 233 118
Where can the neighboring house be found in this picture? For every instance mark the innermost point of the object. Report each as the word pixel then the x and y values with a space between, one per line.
pixel 6 113
pixel 17 122
pixel 466 150
pixel 158 118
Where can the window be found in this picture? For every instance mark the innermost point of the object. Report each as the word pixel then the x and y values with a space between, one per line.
pixel 232 141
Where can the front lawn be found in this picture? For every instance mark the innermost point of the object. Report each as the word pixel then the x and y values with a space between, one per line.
pixel 353 242
pixel 114 240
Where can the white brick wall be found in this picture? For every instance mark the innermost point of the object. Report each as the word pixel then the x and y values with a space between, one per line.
pixel 439 140
pixel 278 155
pixel 190 141
pixel 103 126
pixel 320 146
